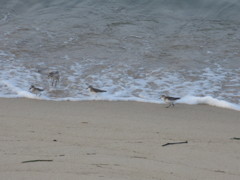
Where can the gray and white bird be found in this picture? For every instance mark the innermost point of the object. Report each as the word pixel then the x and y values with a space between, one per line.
pixel 95 90
pixel 54 76
pixel 35 90
pixel 170 100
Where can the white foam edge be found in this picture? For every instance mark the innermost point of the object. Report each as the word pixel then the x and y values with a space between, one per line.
pixel 209 101
pixel 191 100
pixel 185 100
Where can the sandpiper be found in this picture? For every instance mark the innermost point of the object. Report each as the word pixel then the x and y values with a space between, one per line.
pixel 55 76
pixel 95 90
pixel 170 100
pixel 35 90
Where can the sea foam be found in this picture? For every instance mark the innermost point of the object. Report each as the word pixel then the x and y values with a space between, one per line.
pixel 192 100
pixel 210 101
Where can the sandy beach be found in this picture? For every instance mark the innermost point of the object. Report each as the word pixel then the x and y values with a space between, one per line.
pixel 117 140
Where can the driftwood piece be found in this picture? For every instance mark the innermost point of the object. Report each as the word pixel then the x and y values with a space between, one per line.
pixel 38 160
pixel 173 143
pixel 235 138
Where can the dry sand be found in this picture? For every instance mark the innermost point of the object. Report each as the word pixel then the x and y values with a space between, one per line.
pixel 117 140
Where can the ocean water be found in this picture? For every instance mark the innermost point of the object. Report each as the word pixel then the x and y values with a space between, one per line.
pixel 137 50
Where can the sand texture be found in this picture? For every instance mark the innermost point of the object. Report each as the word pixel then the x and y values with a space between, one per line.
pixel 117 141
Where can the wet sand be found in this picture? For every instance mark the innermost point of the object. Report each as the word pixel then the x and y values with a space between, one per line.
pixel 117 140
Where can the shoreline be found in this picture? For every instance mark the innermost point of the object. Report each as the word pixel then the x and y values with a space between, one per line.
pixel 117 140
pixel 186 100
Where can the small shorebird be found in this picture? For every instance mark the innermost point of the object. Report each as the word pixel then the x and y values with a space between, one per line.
pixel 35 90
pixel 170 100
pixel 54 76
pixel 95 90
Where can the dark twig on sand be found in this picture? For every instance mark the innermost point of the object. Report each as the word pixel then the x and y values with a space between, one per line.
pixel 184 142
pixel 38 160
pixel 235 138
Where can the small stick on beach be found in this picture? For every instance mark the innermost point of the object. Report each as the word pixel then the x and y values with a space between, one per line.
pixel 184 142
pixel 235 138
pixel 38 160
